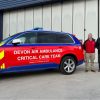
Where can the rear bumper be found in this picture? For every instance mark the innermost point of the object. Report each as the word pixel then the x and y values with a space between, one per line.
pixel 80 62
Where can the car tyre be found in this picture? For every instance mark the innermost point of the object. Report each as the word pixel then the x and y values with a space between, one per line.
pixel 68 65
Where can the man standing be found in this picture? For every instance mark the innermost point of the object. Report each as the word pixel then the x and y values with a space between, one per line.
pixel 98 47
pixel 89 47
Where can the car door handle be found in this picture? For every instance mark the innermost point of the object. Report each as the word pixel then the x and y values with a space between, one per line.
pixel 60 47
pixel 33 48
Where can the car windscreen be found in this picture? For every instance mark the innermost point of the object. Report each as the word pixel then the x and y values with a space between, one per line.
pixel 6 39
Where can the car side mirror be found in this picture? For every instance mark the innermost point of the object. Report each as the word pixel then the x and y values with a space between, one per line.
pixel 16 41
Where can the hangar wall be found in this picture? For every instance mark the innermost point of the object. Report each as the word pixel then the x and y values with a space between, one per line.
pixel 75 16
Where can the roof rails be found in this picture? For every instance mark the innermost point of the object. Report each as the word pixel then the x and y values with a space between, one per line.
pixel 38 28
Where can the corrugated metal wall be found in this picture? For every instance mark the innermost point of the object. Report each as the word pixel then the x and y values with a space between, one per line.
pixel 68 16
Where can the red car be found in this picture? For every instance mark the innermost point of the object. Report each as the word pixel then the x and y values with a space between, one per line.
pixel 38 49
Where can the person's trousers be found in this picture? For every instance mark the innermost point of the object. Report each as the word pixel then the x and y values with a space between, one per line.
pixel 89 61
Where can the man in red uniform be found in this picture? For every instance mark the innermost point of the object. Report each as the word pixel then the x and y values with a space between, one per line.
pixel 89 47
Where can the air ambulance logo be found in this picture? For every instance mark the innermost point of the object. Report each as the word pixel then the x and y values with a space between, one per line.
pixel 2 64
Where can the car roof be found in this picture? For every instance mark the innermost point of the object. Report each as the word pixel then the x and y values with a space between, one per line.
pixel 48 31
pixel 40 30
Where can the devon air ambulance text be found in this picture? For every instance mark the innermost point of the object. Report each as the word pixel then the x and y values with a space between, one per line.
pixel 48 53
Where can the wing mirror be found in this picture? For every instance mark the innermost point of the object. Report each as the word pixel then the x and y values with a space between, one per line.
pixel 16 41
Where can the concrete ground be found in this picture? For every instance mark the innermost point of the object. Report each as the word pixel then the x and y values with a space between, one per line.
pixel 51 85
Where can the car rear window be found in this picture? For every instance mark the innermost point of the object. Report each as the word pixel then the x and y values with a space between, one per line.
pixel 64 38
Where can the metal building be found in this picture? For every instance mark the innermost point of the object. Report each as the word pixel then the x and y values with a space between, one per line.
pixel 75 16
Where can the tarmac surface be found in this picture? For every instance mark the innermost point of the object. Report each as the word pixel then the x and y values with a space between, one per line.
pixel 51 85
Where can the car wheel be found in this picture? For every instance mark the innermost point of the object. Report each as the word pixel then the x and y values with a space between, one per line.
pixel 68 65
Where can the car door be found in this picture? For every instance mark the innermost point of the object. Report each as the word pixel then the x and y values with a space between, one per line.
pixel 21 54
pixel 49 50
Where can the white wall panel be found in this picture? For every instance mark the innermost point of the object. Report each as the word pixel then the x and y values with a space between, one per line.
pixel 29 19
pixel 67 16
pixel 47 17
pixel 56 17
pixel 20 21
pixel 78 19
pixel 92 19
pixel 38 17
pixel 13 22
pixel 99 17
pixel 6 24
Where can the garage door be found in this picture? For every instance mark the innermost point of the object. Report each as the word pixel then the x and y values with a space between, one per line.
pixel 69 16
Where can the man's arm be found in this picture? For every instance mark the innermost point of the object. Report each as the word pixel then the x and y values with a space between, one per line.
pixel 84 46
pixel 97 43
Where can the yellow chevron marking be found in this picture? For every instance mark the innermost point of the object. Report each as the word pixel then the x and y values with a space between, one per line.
pixel 3 66
pixel 1 54
pixel 1 43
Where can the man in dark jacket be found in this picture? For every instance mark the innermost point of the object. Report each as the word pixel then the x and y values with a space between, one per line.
pixel 98 47
pixel 89 47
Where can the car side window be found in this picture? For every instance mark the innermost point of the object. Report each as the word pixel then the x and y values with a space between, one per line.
pixel 44 37
pixel 27 38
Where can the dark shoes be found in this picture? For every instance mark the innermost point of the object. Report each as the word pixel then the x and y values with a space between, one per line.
pixel 99 70
pixel 86 70
pixel 92 70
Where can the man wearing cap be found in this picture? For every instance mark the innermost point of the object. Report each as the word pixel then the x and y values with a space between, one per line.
pixel 89 47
